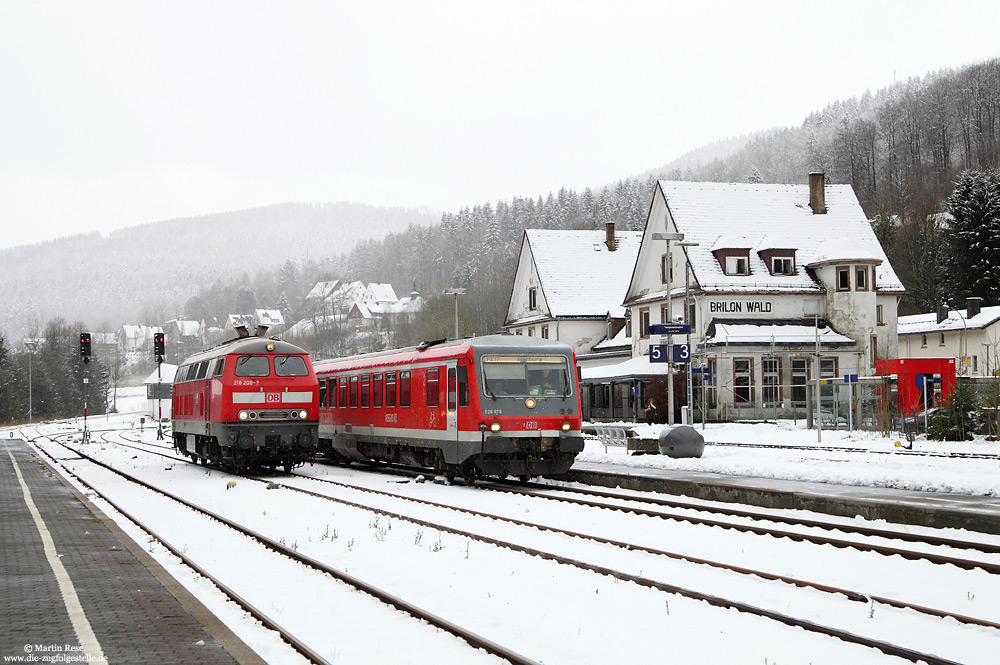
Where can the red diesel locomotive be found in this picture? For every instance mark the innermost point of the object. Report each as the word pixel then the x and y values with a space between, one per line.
pixel 497 405
pixel 248 402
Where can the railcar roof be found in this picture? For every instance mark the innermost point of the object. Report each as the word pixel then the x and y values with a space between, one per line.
pixel 430 350
pixel 244 345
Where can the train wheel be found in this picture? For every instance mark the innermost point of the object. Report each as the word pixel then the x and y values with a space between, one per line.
pixel 239 459
pixel 470 473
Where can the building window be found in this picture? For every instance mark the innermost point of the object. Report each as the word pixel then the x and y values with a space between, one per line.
pixel 665 268
pixel 531 332
pixel 742 382
pixel 941 342
pixel 737 265
pixel 532 298
pixel 874 349
pixel 861 279
pixel 782 265
pixel 843 278
pixel 644 323
pixel 770 369
pixel 923 340
pixel 519 332
pixel 800 375
pixel 878 315
pixel 691 315
pixel 873 278
pixel 545 332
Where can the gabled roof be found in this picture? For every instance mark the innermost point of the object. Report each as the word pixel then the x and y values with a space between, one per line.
pixel 381 293
pixel 322 289
pixel 269 317
pixel 760 217
pixel 579 275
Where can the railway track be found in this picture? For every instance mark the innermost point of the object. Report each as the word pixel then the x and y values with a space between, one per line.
pixel 648 582
pixel 390 599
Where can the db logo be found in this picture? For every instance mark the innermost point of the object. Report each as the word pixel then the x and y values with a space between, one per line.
pixel 272 397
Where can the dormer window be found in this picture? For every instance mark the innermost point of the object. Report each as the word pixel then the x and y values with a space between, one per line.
pixel 781 265
pixel 737 265
pixel 778 261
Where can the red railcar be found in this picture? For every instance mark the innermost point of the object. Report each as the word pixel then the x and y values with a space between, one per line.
pixel 251 401
pixel 497 405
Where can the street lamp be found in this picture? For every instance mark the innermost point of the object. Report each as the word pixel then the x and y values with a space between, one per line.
pixel 31 343
pixel 456 293
pixel 687 312
pixel 668 269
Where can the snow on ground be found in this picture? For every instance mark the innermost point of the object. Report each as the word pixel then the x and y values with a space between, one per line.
pixel 884 465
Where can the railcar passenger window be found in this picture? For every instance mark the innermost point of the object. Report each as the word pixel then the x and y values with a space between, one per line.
pixel 343 392
pixel 354 392
pixel 390 390
pixel 253 366
pixel 366 391
pixel 377 391
pixel 404 389
pixel 463 386
pixel 290 366
pixel 322 394
pixel 433 388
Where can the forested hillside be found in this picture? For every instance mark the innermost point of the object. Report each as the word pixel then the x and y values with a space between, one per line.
pixel 901 148
pixel 146 274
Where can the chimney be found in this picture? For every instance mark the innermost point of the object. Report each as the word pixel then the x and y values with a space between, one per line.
pixel 610 240
pixel 942 313
pixel 817 193
pixel 972 306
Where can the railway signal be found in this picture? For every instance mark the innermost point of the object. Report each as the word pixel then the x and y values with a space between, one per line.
pixel 85 347
pixel 159 346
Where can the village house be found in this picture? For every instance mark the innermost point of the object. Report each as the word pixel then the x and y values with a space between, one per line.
pixel 970 336
pixel 568 286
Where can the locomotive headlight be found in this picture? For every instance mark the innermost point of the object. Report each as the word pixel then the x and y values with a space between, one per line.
pixel 243 415
pixel 565 426
pixel 303 414
pixel 530 402
pixel 270 346
pixel 494 427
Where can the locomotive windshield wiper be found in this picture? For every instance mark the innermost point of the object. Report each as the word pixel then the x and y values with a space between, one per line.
pixel 565 383
pixel 486 387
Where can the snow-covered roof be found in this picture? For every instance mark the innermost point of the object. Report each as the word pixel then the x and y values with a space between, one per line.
pixel 322 289
pixel 619 341
pixel 579 275
pixel 957 320
pixel 715 215
pixel 766 332
pixel 167 372
pixel 633 368
pixel 269 317
pixel 380 293
pixel 186 328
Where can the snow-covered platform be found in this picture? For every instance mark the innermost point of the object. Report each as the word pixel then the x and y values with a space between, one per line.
pixel 933 509
pixel 75 588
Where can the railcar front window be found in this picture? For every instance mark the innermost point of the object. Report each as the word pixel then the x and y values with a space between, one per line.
pixel 522 376
pixel 290 366
pixel 253 366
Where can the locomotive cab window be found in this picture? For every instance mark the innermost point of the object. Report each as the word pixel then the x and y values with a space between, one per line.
pixel 253 366
pixel 290 366
pixel 522 376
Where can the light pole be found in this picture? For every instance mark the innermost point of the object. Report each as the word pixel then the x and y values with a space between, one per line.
pixel 456 293
pixel 687 320
pixel 31 343
pixel 667 270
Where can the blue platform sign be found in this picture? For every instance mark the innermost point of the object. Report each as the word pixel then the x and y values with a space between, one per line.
pixel 850 378
pixel 669 328
pixel 659 353
pixel 682 353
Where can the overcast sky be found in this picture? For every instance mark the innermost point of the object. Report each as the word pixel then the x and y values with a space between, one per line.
pixel 120 113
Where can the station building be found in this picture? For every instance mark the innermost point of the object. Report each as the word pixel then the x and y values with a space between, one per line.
pixel 970 337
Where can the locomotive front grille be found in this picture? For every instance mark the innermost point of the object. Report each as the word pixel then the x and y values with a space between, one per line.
pixel 273 414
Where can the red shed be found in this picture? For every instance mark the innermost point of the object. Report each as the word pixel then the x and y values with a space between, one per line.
pixel 915 375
